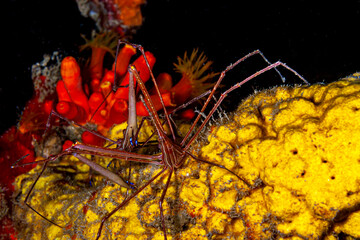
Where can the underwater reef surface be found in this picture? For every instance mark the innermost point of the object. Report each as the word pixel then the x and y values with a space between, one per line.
pixel 298 147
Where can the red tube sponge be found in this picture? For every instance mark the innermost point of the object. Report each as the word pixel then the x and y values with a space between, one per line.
pixel 167 98
pixel 62 92
pixel 70 73
pixel 97 104
pixel 118 112
pixel 123 60
pixel 141 67
pixel 90 138
pixel 72 112
pixel 164 81
pixel 108 76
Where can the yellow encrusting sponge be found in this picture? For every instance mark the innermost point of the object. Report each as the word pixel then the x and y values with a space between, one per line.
pixel 298 148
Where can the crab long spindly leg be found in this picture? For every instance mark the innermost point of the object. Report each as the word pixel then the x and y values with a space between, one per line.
pixel 126 201
pixel 162 200
pixel 54 113
pixel 239 84
pixel 28 195
pixel 222 75
pixel 78 149
pixel 114 153
pixel 103 171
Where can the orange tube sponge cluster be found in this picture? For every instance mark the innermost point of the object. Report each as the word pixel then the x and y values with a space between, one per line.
pixel 95 101
pixel 100 106
pixel 297 147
